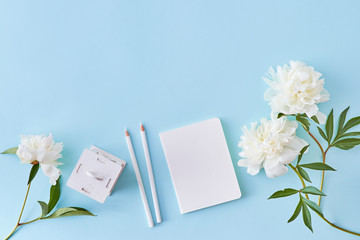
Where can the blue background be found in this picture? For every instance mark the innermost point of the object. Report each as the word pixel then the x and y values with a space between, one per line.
pixel 85 70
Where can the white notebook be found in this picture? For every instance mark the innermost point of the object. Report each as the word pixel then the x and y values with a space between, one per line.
pixel 200 165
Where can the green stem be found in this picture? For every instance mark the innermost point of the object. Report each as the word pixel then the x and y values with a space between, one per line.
pixel 339 228
pixel 317 142
pixel 34 220
pixel 323 153
pixel 301 179
pixel 323 173
pixel 22 210
pixel 327 221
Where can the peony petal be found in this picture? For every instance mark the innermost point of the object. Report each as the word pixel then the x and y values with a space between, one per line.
pixel 288 155
pixel 274 168
pixel 41 156
pixel 25 155
pixel 321 117
pixel 296 144
pixel 269 94
pixel 242 163
pixel 51 171
pixel 312 110
pixel 253 170
pixel 325 96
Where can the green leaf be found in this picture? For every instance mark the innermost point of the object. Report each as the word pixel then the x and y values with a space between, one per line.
pixel 284 193
pixel 351 123
pixel 315 119
pixel 296 212
pixel 304 122
pixel 312 190
pixel 69 211
pixel 44 209
pixel 317 166
pixel 322 134
pixel 303 174
pixel 33 172
pixel 280 115
pixel 347 143
pixel 54 195
pixel 302 151
pixel 329 126
pixel 60 212
pixel 342 120
pixel 342 129
pixel 313 206
pixel 306 215
pixel 78 212
pixel 350 134
pixel 10 151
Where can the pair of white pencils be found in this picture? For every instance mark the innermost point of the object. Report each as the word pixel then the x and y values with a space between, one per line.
pixel 150 173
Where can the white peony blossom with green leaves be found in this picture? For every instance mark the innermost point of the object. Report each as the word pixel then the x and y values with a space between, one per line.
pixel 271 145
pixel 294 93
pixel 43 150
pixel 296 89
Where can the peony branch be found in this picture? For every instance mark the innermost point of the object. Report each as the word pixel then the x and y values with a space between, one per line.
pixel 40 146
pixel 22 210
pixel 323 153
pixel 323 173
pixel 34 220
pixel 317 142
pixel 301 179
pixel 308 85
pixel 322 217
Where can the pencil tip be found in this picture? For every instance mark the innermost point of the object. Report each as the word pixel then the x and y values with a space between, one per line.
pixel 141 127
pixel 126 132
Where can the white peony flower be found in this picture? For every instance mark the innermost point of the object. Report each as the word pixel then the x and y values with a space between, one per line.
pixel 43 150
pixel 296 89
pixel 270 145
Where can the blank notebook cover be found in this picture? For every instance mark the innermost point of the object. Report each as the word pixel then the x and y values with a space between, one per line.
pixel 200 165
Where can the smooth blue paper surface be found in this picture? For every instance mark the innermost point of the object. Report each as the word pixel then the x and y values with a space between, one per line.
pixel 85 70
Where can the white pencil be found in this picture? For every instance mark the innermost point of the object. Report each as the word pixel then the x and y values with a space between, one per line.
pixel 150 173
pixel 138 178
